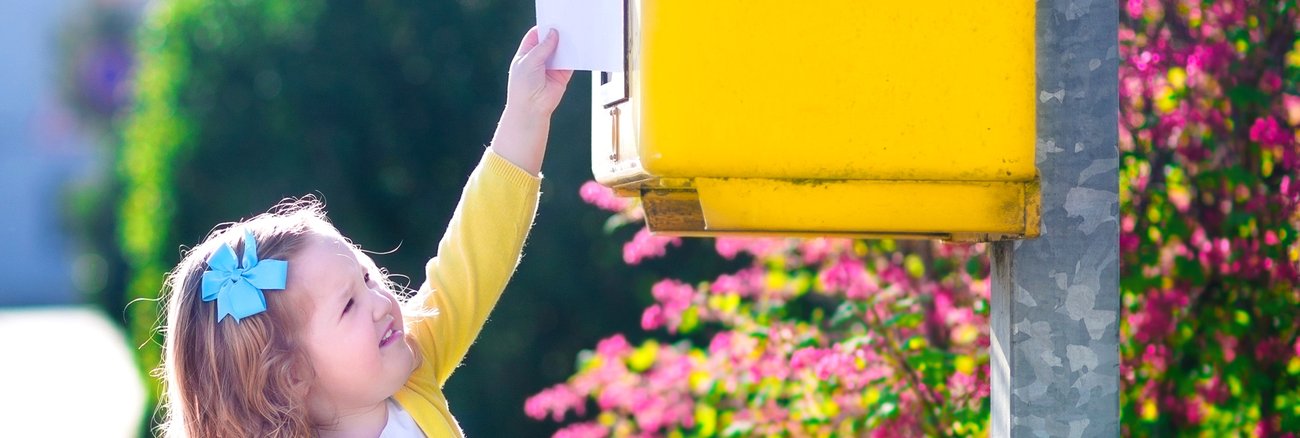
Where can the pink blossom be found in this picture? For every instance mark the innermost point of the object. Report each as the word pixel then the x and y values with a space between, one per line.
pixel 675 295
pixel 1228 345
pixel 747 282
pixel 942 305
pixel 1271 82
pixel 660 399
pixel 1134 8
pixel 1145 61
pixel 1213 390
pixel 1209 57
pixel 1270 350
pixel 834 364
pixel 653 318
pixel 893 273
pixel 1291 104
pixel 806 357
pixel 983 384
pixel 1266 427
pixel 730 247
pixel 556 401
pixel 980 287
pixel 674 298
pixel 1131 87
pixel 850 276
pixel 582 430
pixel 1267 131
pixel 672 371
pixel 1157 356
pixel 816 250
pixel 1155 319
pixel 613 347
pixel 603 197
pixel 645 245
pixel 721 343
pixel 962 384
pixel 1270 238
pixel 623 394
pixel 1192 410
pixel 958 249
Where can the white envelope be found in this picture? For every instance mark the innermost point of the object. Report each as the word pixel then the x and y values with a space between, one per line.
pixel 591 33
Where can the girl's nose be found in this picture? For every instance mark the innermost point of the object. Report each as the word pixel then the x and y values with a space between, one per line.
pixel 381 305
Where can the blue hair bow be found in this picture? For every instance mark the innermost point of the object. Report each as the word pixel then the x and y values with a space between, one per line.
pixel 238 289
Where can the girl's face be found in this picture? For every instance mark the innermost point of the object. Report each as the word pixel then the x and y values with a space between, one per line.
pixel 353 329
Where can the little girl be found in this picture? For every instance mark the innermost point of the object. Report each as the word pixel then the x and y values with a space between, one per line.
pixel 279 326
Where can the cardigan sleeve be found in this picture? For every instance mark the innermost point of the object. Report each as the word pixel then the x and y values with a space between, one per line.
pixel 476 257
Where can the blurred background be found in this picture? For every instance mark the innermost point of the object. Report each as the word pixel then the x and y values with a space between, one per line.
pixel 129 129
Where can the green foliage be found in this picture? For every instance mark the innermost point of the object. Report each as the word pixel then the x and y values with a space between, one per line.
pixel 382 109
pixel 1209 110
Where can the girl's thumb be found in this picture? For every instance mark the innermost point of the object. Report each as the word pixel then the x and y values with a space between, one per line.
pixel 543 50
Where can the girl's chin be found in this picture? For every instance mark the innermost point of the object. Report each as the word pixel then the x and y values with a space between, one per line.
pixel 411 350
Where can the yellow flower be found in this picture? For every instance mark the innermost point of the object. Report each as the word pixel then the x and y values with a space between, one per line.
pixel 965 334
pixel 1177 78
pixel 965 364
pixel 644 356
pixel 1149 410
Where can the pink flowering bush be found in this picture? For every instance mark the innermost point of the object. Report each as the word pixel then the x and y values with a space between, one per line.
pixel 830 337
pixel 1209 110
pixel 811 337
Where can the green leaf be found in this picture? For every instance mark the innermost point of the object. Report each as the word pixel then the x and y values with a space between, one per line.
pixel 1242 317
pixel 690 320
pixel 905 320
pixel 613 223
pixel 845 311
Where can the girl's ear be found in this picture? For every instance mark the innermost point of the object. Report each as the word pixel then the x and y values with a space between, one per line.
pixel 300 377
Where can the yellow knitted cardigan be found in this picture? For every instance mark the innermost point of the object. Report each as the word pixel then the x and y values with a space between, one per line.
pixel 475 259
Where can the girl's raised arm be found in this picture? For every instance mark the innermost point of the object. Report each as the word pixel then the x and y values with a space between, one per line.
pixel 484 240
pixel 532 94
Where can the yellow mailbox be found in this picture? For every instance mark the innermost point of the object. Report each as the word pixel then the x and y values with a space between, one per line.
pixel 840 117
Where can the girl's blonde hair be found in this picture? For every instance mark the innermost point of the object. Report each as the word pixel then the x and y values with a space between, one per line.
pixel 247 378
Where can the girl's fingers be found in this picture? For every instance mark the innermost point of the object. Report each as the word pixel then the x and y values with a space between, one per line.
pixel 529 41
pixel 561 76
pixel 540 52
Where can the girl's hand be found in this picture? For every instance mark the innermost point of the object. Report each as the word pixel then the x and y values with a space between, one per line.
pixel 532 94
pixel 532 88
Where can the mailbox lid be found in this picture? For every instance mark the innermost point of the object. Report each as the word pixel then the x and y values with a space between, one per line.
pixel 966 211
pixel 838 89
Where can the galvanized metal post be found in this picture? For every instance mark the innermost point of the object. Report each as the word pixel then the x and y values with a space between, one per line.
pixel 1055 299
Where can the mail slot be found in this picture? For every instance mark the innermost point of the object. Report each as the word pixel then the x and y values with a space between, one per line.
pixel 840 117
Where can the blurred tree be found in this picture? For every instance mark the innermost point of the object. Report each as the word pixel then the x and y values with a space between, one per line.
pixel 95 67
pixel 96 62
pixel 382 108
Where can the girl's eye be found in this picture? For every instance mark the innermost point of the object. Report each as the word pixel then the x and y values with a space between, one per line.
pixel 348 306
pixel 367 277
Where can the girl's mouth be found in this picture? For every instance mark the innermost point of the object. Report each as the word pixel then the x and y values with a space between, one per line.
pixel 392 334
